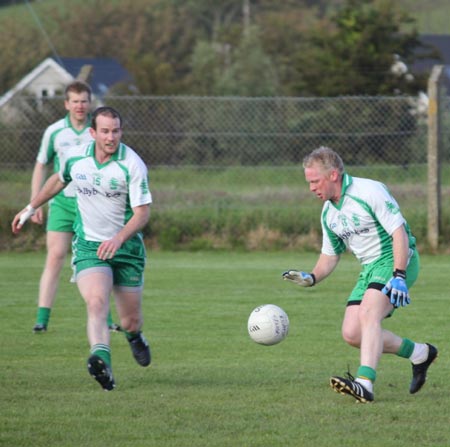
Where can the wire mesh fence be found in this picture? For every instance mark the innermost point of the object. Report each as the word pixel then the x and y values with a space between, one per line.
pixel 205 132
pixel 222 153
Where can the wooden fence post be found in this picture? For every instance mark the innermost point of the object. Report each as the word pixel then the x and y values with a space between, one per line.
pixel 434 172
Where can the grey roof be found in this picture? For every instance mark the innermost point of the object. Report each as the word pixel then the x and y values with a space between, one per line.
pixel 106 72
pixel 440 43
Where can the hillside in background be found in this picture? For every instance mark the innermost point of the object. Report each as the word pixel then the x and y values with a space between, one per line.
pixel 432 15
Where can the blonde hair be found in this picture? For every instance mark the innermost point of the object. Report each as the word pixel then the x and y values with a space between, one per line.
pixel 326 157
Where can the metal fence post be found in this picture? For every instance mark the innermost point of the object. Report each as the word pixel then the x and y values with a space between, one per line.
pixel 434 142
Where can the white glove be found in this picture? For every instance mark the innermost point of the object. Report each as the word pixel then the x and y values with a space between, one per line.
pixel 29 211
pixel 301 278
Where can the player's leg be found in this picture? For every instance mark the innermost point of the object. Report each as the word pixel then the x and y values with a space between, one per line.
pixel 421 355
pixel 113 327
pixel 128 285
pixel 95 286
pixel 129 308
pixel 61 215
pixel 352 333
pixel 366 308
pixel 373 309
pixel 60 221
pixel 58 245
pixel 362 328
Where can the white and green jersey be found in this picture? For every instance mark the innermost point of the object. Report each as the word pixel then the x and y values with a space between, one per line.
pixel 105 193
pixel 57 138
pixel 363 221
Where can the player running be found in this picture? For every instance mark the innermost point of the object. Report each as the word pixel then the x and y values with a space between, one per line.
pixel 72 130
pixel 113 205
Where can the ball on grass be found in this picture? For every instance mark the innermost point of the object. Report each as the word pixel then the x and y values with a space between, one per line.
pixel 268 324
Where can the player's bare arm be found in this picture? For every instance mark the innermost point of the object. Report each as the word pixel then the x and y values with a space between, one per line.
pixel 400 245
pixel 324 266
pixel 51 187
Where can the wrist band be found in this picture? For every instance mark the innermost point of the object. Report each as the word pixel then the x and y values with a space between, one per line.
pixel 399 273
pixel 29 211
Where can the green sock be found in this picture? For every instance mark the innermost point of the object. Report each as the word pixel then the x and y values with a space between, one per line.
pixel 109 319
pixel 406 348
pixel 43 315
pixel 102 351
pixel 366 372
pixel 131 335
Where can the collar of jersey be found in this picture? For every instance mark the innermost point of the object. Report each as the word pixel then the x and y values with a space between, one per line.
pixel 347 180
pixel 69 124
pixel 118 155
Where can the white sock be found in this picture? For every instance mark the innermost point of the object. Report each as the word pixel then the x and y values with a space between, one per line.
pixel 420 353
pixel 366 383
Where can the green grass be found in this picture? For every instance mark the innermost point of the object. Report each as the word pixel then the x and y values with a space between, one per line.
pixel 238 207
pixel 209 384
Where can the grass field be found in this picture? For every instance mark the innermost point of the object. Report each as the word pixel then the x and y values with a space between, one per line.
pixel 209 384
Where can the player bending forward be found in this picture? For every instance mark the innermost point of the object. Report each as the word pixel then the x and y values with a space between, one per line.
pixel 113 205
pixel 361 215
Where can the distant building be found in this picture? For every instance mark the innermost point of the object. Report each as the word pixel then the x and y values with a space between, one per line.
pixel 51 76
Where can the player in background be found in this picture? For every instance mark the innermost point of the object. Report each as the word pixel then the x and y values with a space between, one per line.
pixel 72 130
pixel 113 205
pixel 361 215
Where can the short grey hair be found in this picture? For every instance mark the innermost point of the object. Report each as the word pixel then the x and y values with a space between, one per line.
pixel 326 157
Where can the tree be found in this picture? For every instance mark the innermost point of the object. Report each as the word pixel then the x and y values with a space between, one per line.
pixel 199 46
pixel 16 63
pixel 246 70
pixel 251 72
pixel 207 61
pixel 352 54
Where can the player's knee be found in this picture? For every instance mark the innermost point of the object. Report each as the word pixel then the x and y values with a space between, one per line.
pixel 131 323
pixel 351 337
pixel 96 306
pixel 55 258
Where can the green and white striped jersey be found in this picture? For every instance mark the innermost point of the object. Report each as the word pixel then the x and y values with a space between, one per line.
pixel 363 221
pixel 57 138
pixel 105 193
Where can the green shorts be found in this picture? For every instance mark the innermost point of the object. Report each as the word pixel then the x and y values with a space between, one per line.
pixel 61 214
pixel 378 273
pixel 127 265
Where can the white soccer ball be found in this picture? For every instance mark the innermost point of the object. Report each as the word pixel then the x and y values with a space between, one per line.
pixel 268 324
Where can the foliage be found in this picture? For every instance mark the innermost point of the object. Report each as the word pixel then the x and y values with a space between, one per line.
pixel 185 47
pixel 251 73
pixel 18 34
pixel 239 208
pixel 354 55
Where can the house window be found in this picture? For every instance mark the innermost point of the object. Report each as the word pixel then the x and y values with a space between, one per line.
pixel 44 93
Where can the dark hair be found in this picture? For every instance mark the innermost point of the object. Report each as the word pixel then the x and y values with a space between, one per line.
pixel 77 87
pixel 105 111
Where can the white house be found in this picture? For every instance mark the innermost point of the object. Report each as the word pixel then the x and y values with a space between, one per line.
pixel 51 76
pixel 45 80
